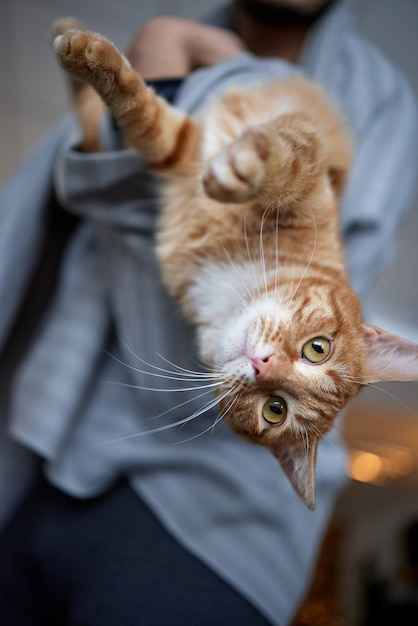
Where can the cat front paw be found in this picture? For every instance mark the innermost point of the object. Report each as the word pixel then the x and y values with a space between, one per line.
pixel 237 173
pixel 88 56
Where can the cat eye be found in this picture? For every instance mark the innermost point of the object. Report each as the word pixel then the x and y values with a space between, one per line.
pixel 316 350
pixel 275 410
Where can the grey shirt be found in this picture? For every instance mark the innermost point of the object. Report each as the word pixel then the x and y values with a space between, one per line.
pixel 87 398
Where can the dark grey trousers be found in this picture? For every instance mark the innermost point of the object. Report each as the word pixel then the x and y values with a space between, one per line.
pixel 106 562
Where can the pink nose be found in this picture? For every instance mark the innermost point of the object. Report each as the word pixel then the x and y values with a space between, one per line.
pixel 265 368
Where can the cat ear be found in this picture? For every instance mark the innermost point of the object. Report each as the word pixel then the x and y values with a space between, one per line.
pixel 388 357
pixel 298 464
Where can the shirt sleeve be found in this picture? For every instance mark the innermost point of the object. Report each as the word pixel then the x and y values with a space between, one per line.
pixel 382 182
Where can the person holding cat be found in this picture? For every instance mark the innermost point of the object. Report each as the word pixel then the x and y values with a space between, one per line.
pixel 191 526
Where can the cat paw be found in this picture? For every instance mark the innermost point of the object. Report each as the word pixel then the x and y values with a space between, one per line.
pixel 237 173
pixel 89 57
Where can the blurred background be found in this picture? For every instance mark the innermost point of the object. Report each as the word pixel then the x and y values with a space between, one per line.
pixel 368 571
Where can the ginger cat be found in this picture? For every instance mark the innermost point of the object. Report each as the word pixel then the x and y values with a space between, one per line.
pixel 249 245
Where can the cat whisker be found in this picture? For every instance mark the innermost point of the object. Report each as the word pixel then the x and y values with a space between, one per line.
pixel 219 418
pixel 239 274
pixel 178 390
pixel 216 400
pixel 210 366
pixel 329 441
pixel 305 438
pixel 266 270
pixel 181 371
pixel 310 259
pixel 276 252
pixel 217 421
pixel 247 245
pixel 391 395
pixel 159 429
pixel 352 379
pixel 228 409
pixel 215 373
pixel 215 369
pixel 178 406
pixel 275 206
pixel 196 414
pixel 182 422
pixel 178 375
pixel 261 250
pixel 209 272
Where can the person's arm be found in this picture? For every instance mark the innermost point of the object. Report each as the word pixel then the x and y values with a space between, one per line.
pixel 169 47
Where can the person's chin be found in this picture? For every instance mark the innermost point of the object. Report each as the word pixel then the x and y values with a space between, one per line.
pixel 285 12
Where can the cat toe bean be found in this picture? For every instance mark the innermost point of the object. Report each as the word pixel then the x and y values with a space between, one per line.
pixel 90 57
pixel 70 47
pixel 236 173
pixel 102 53
pixel 257 140
pixel 247 166
pixel 222 182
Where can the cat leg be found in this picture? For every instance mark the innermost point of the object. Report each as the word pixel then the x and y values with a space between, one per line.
pixel 87 103
pixel 158 131
pixel 278 160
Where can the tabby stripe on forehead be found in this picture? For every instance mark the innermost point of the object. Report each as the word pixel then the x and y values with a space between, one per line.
pixel 318 425
pixel 312 282
pixel 330 398
pixel 334 405
pixel 338 314
pixel 336 376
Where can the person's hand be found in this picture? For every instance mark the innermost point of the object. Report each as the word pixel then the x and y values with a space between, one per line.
pixel 169 47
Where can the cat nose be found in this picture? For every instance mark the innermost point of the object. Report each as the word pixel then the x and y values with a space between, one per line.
pixel 265 368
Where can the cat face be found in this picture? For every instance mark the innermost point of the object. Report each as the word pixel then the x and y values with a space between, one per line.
pixel 291 362
pixel 291 366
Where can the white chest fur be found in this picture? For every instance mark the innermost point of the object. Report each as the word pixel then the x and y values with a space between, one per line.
pixel 228 300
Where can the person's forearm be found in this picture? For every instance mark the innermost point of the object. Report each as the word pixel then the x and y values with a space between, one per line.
pixel 169 47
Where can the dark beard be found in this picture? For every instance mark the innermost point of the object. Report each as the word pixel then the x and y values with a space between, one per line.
pixel 274 15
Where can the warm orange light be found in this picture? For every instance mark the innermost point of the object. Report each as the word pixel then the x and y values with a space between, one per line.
pixel 365 467
pixel 385 464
